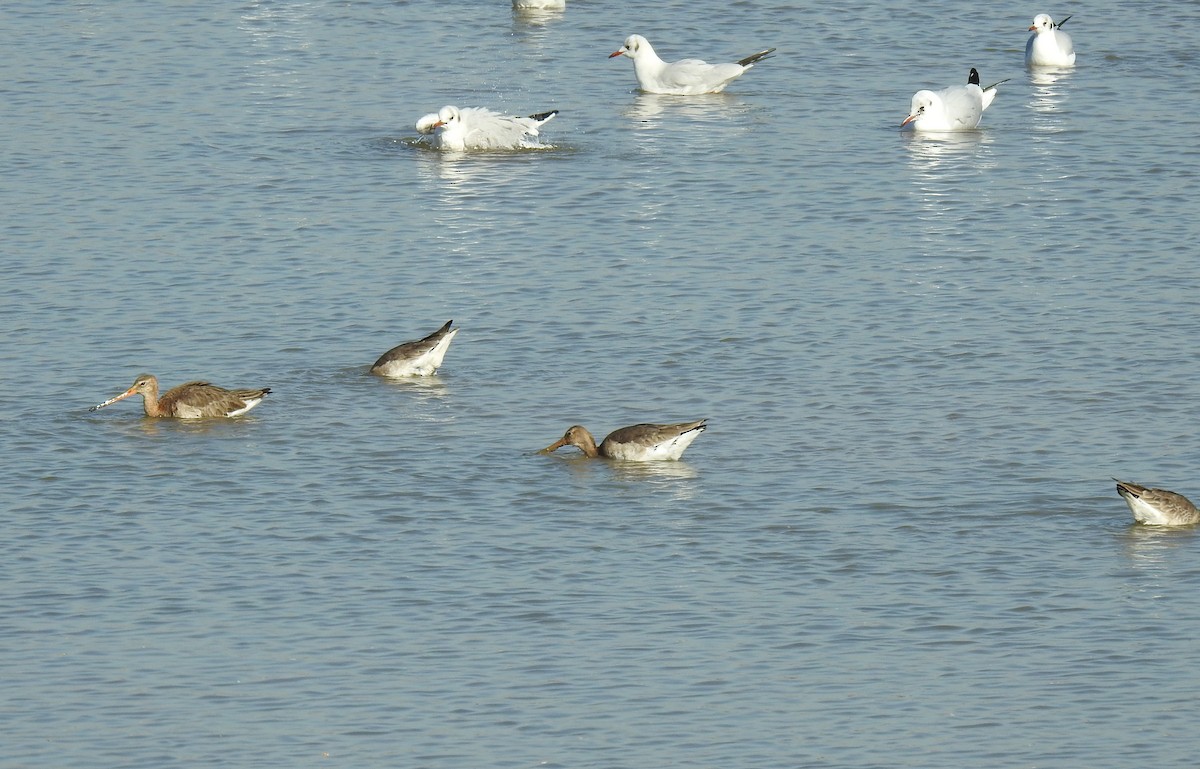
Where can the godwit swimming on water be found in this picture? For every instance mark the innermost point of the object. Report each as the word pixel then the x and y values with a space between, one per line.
pixel 419 358
pixel 1157 506
pixel 191 400
pixel 637 443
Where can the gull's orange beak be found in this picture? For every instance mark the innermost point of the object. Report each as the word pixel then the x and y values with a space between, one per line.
pixel 908 120
pixel 1033 28
pixel 616 53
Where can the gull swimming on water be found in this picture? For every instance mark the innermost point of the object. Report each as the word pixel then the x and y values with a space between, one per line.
pixel 479 128
pixel 1158 507
pixel 957 108
pixel 540 5
pixel 636 443
pixel 686 77
pixel 1049 46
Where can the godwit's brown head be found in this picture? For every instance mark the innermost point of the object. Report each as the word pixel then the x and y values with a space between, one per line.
pixel 145 385
pixel 576 435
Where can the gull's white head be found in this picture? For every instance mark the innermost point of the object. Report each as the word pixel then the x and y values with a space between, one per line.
pixel 924 104
pixel 1042 23
pixel 450 132
pixel 447 115
pixel 633 45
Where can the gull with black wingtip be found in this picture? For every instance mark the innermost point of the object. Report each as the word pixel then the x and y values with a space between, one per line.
pixel 686 77
pixel 957 108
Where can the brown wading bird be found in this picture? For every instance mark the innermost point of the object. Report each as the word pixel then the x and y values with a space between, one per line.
pixel 1158 507
pixel 192 400
pixel 636 443
pixel 419 358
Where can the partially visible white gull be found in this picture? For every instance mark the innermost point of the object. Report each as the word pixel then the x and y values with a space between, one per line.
pixel 957 108
pixel 539 5
pixel 479 128
pixel 686 77
pixel 1049 46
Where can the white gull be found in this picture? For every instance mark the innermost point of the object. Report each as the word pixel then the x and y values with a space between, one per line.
pixel 1049 46
pixel 957 108
pixel 479 128
pixel 686 77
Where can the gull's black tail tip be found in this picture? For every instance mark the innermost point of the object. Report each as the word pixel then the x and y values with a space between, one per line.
pixel 756 57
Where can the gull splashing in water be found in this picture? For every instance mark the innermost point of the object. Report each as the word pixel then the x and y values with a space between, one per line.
pixel 479 128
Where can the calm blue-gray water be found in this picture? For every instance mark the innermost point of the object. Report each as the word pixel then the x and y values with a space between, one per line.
pixel 922 359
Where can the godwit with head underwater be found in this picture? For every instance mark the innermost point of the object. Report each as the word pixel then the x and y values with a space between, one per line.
pixel 1158 507
pixel 419 358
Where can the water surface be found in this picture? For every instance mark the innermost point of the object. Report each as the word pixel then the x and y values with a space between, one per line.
pixel 922 359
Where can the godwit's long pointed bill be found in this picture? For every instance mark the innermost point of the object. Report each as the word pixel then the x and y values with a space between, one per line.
pixel 558 444
pixel 111 401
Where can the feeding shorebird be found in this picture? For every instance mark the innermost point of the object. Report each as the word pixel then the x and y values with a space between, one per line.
pixel 191 400
pixel 636 443
pixel 957 108
pixel 686 77
pixel 1049 46
pixel 1158 507
pixel 419 358
pixel 479 128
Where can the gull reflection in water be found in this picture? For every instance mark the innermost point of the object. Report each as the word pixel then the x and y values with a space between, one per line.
pixel 648 109
pixel 460 186
pixel 1047 90
pixel 1047 98
pixel 529 24
pixel 931 148
pixel 940 162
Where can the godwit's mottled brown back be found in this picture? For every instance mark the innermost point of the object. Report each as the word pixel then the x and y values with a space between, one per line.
pixel 199 399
